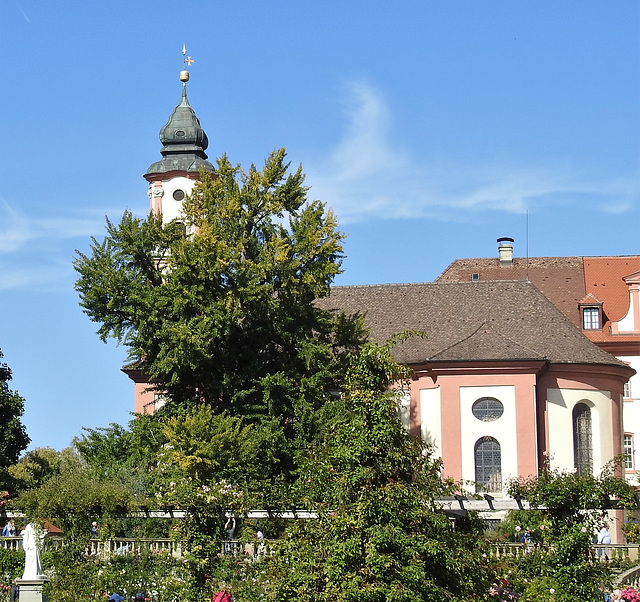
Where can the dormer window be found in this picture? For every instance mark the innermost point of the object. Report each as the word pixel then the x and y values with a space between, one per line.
pixel 591 318
pixel 591 313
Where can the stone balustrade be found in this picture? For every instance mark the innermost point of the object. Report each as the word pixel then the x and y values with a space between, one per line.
pixel 618 551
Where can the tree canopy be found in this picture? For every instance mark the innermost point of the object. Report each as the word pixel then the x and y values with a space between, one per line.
pixel 225 314
pixel 379 535
pixel 13 436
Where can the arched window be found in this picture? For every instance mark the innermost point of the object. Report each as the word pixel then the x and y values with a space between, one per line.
pixel 582 439
pixel 488 465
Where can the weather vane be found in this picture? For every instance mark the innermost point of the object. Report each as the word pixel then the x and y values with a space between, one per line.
pixel 184 74
pixel 188 60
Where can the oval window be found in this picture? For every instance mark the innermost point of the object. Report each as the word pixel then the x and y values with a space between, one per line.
pixel 178 195
pixel 487 409
pixel 180 133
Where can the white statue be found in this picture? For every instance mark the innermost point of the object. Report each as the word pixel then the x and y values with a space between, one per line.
pixel 30 543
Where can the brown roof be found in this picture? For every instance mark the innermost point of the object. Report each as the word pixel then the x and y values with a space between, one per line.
pixel 561 279
pixel 469 321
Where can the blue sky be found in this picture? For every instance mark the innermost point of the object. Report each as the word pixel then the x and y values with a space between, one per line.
pixel 432 128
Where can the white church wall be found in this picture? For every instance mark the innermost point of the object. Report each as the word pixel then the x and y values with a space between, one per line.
pixel 631 415
pixel 560 405
pixel 502 430
pixel 174 192
pixel 431 420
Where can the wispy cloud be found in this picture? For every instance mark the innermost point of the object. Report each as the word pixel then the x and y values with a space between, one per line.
pixel 36 252
pixel 24 15
pixel 367 176
pixel 18 230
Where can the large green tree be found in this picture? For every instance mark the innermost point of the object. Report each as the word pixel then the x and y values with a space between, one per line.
pixel 39 465
pixel 572 506
pixel 378 535
pixel 13 435
pixel 225 315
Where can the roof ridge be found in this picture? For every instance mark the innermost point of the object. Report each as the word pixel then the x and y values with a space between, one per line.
pixel 441 283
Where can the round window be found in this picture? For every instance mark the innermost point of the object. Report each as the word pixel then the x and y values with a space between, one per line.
pixel 178 195
pixel 487 409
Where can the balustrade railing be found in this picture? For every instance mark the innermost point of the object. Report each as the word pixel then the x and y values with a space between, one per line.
pixel 121 545
pixel 129 545
pixel 619 551
pixel 105 548
pixel 11 543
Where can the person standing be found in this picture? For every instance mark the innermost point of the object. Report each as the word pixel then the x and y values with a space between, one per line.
pixel 604 537
pixel 10 529
pixel 230 531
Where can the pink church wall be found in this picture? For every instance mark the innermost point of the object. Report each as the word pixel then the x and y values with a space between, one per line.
pixel 144 399
pixel 530 382
pixel 450 383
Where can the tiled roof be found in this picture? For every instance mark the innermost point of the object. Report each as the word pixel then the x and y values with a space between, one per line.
pixel 469 321
pixel 561 279
pixel 604 280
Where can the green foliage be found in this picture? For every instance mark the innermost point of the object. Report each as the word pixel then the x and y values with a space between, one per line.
pixel 631 531
pixel 226 315
pixel 566 494
pixel 570 506
pixel 516 522
pixel 13 437
pixel 91 578
pixel 72 500
pixel 39 465
pixel 127 456
pixel 207 446
pixel 378 535
pixel 145 572
pixel 11 564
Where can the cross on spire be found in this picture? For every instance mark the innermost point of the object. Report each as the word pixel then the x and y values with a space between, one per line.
pixel 188 60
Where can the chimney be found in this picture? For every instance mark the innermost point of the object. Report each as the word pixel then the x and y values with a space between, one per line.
pixel 505 250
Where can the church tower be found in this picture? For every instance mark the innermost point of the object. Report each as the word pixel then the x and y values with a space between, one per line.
pixel 183 155
pixel 171 179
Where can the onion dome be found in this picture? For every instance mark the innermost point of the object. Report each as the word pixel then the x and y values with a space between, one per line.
pixel 184 142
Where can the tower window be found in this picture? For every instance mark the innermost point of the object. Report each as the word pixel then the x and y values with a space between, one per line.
pixel 178 195
pixel 591 318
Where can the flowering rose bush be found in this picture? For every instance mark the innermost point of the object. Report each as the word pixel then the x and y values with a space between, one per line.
pixel 630 594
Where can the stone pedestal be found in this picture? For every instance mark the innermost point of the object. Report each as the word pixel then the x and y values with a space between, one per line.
pixel 31 589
